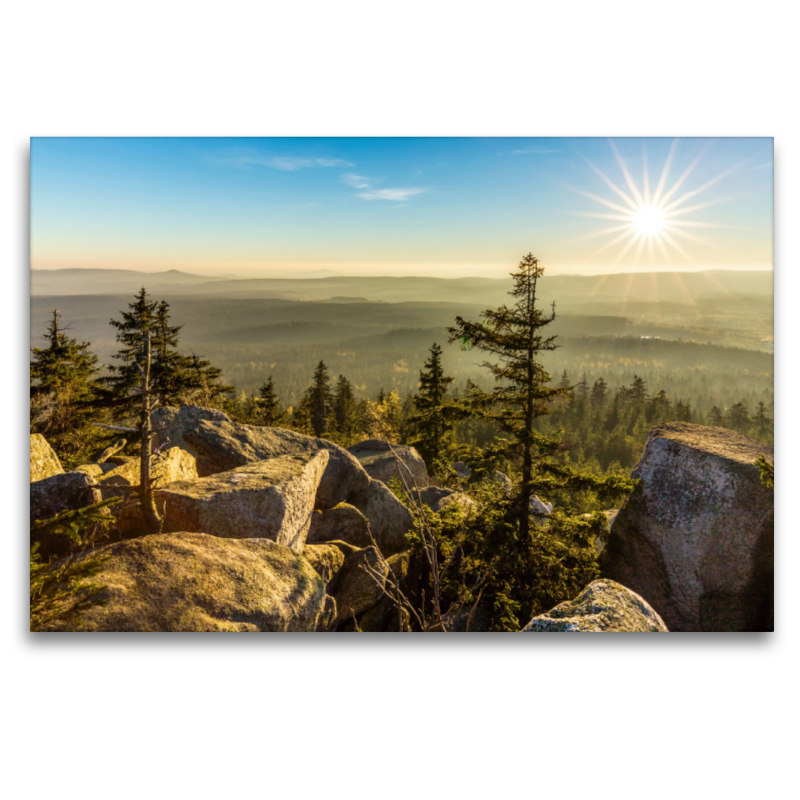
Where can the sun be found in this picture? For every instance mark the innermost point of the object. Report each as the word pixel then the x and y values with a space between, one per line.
pixel 651 219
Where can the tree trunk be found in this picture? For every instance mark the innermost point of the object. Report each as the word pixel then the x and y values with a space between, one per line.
pixel 151 516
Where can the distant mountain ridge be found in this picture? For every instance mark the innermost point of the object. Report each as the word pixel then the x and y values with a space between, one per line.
pixel 684 287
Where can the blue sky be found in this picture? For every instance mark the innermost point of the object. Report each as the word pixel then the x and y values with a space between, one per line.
pixel 421 206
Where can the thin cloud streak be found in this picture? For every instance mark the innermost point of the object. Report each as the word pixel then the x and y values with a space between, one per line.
pixel 390 194
pixel 356 181
pixel 282 163
pixel 398 195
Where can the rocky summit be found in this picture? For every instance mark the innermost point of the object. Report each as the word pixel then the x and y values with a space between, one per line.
pixel 695 538
pixel 264 529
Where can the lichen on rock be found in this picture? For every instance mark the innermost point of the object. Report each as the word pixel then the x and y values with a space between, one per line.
pixel 272 499
pixel 696 537
pixel 187 581
pixel 602 607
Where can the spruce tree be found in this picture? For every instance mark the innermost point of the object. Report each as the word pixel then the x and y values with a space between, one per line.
pixel 174 378
pixel 345 409
pixel 638 391
pixel 661 407
pixel 738 418
pixel 763 423
pixel 431 424
pixel 268 406
pixel 318 398
pixel 716 417
pixel 198 382
pixel 514 336
pixel 65 395
pixel 599 394
pixel 144 316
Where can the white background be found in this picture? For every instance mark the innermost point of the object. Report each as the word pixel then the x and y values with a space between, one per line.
pixel 341 717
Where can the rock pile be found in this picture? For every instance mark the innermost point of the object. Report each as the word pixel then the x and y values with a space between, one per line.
pixel 263 528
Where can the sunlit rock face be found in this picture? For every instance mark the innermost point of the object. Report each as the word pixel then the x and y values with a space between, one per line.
pixel 167 466
pixel 695 538
pixel 44 462
pixel 272 499
pixel 389 520
pixel 186 581
pixel 602 607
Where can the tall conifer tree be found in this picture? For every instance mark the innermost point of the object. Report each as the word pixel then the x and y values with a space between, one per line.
pixel 515 337
pixel 174 378
pixel 431 423
pixel 318 397
pixel 64 394
pixel 345 409
pixel 269 406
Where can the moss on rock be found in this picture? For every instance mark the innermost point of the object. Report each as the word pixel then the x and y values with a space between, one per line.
pixel 190 581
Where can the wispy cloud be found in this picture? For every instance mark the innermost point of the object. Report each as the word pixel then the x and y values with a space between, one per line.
pixel 399 195
pixel 282 163
pixel 356 181
pixel 390 194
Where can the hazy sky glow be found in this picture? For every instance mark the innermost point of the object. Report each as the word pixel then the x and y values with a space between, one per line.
pixel 444 207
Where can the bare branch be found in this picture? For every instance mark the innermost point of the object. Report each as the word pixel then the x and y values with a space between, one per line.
pixel 115 427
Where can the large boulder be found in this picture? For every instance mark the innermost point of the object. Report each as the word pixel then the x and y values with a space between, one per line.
pixel 271 499
pixel 695 538
pixel 389 520
pixel 220 445
pixel 344 523
pixel 188 581
pixel 359 584
pixel 65 492
pixel 384 461
pixel 166 467
pixel 602 607
pixel 44 462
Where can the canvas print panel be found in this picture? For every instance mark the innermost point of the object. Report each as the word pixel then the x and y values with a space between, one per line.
pixel 401 385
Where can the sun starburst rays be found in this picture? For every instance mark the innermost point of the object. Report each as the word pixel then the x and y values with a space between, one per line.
pixel 651 219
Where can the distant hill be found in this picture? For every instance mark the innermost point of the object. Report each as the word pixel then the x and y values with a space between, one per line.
pixel 566 290
pixel 106 281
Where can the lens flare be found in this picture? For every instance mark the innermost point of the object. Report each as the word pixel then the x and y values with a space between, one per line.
pixel 652 220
